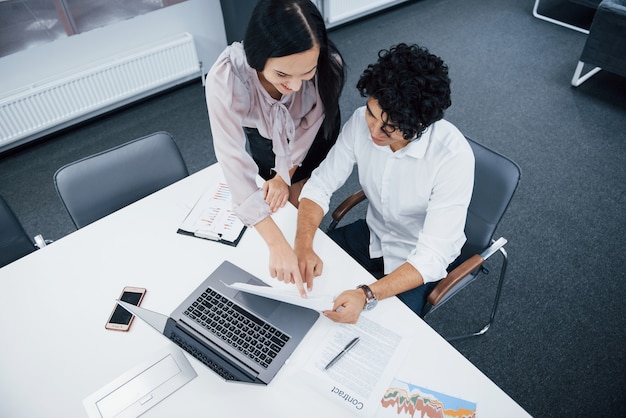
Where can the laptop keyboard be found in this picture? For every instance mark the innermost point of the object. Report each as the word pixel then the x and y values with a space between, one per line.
pixel 255 338
pixel 202 357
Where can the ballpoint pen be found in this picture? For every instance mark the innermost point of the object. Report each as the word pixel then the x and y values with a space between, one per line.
pixel 342 353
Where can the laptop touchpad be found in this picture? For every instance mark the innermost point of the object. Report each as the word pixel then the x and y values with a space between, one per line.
pixel 260 305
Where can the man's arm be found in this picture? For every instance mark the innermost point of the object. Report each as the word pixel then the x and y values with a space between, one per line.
pixel 351 302
pixel 310 216
pixel 317 191
pixel 405 277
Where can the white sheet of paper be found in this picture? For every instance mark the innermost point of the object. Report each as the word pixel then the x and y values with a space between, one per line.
pixel 315 301
pixel 359 379
pixel 212 215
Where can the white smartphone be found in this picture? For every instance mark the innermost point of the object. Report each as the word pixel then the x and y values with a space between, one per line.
pixel 121 319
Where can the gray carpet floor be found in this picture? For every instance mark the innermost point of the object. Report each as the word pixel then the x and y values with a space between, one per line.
pixel 557 346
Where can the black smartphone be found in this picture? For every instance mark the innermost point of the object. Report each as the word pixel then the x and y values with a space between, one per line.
pixel 121 319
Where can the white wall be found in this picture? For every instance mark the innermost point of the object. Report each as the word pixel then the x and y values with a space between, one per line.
pixel 201 18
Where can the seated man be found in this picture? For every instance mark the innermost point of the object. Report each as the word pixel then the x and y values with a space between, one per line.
pixel 417 171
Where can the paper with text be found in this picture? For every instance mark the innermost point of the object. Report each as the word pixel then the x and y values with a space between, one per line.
pixel 359 379
pixel 212 216
pixel 289 294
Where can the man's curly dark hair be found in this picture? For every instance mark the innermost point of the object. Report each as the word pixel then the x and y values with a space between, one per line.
pixel 411 86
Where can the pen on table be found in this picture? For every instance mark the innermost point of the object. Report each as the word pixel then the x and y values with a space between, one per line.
pixel 208 235
pixel 343 352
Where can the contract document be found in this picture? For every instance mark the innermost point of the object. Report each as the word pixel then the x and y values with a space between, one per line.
pixel 360 378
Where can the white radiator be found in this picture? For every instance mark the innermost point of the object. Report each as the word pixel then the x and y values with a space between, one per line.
pixel 338 12
pixel 44 108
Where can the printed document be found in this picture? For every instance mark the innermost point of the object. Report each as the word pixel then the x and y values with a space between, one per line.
pixel 289 293
pixel 422 402
pixel 212 217
pixel 360 378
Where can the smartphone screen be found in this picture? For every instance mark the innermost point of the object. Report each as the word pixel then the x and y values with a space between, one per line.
pixel 121 319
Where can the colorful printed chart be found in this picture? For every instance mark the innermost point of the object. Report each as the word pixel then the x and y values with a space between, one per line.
pixel 407 400
pixel 212 217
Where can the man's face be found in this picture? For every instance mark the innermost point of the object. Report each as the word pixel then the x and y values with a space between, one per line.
pixel 383 132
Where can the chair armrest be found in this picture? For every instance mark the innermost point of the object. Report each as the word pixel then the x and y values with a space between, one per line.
pixel 448 283
pixel 350 202
pixel 455 276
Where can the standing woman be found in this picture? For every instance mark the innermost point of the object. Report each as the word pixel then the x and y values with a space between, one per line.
pixel 278 92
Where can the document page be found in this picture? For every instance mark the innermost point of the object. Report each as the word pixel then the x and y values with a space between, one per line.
pixel 359 379
pixel 424 402
pixel 212 217
pixel 315 300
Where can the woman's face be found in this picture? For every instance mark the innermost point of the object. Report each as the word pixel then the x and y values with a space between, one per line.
pixel 284 75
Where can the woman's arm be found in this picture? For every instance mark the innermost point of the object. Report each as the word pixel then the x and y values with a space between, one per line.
pixel 283 260
pixel 228 101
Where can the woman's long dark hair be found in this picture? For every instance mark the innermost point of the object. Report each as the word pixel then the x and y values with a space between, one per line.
pixel 278 28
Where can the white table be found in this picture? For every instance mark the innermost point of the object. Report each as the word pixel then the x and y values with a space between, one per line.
pixel 54 303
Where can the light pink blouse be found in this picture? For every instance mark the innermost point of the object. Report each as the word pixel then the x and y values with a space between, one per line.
pixel 236 99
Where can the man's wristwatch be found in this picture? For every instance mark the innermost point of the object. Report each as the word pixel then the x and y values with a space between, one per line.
pixel 370 298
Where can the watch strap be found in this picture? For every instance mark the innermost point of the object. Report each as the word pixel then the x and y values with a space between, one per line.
pixel 370 298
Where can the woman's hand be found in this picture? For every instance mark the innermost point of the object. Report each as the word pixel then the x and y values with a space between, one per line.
pixel 275 193
pixel 283 261
pixel 284 265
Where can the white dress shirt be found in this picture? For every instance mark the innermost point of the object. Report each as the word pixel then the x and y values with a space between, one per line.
pixel 417 196
pixel 236 99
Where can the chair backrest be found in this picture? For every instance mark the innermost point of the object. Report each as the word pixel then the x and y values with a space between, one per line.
pixel 606 43
pixel 98 185
pixel 496 178
pixel 14 241
pixel 588 3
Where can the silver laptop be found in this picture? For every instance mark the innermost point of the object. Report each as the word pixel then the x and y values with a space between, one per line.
pixel 240 336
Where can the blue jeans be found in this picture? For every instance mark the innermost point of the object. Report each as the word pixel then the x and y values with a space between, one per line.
pixel 354 239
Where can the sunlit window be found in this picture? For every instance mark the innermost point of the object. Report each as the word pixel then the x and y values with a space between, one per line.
pixel 28 23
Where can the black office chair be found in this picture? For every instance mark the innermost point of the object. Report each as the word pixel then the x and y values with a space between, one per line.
pixel 496 178
pixel 14 241
pixel 590 4
pixel 98 185
pixel 605 47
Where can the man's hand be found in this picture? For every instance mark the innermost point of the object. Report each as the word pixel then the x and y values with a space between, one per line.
pixel 310 264
pixel 284 266
pixel 347 306
pixel 275 193
pixel 309 217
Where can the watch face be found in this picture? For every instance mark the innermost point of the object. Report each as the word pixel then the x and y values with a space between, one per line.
pixel 370 304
